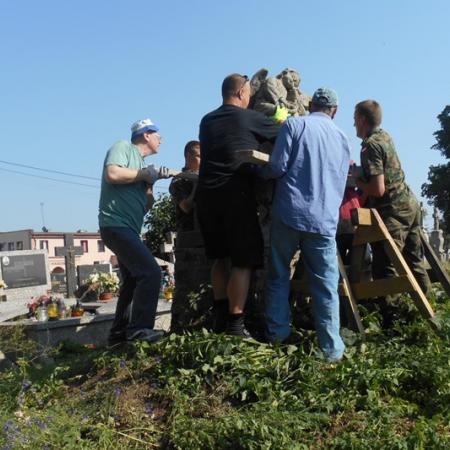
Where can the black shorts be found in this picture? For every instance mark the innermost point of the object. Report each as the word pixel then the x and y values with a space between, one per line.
pixel 229 224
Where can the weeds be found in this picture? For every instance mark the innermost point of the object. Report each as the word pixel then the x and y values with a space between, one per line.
pixel 202 391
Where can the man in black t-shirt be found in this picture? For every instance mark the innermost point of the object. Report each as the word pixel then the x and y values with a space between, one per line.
pixel 226 205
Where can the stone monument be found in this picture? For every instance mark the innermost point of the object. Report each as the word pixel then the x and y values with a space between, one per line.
pixel 268 93
pixel 437 236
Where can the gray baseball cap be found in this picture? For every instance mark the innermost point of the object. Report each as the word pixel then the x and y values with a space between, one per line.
pixel 325 97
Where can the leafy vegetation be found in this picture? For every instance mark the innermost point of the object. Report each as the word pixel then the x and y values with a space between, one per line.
pixel 160 220
pixel 203 391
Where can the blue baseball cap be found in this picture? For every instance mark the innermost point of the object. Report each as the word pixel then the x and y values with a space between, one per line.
pixel 141 127
pixel 325 97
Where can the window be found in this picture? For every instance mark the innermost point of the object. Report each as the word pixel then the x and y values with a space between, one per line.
pixel 43 245
pixel 10 245
pixel 84 245
pixel 19 245
pixel 100 246
pixel 2 247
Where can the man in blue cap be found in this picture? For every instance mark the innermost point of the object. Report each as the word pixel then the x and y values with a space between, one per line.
pixel 126 195
pixel 310 163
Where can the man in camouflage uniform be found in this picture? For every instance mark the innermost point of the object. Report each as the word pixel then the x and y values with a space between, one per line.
pixel 384 182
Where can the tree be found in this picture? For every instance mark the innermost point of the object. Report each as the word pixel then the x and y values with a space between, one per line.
pixel 438 187
pixel 160 220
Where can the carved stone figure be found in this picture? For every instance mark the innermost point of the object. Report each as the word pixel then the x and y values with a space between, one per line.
pixel 280 91
pixel 437 236
pixel 436 218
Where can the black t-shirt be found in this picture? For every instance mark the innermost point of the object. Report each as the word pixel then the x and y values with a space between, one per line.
pixel 180 189
pixel 222 133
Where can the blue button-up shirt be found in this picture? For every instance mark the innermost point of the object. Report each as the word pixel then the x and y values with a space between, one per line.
pixel 310 161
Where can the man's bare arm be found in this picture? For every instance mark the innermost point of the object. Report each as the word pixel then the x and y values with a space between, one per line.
pixel 187 204
pixel 122 175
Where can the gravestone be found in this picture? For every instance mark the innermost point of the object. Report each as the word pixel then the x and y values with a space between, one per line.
pixel 69 251
pixel 85 270
pixel 26 272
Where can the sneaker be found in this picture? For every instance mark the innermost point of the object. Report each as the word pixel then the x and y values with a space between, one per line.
pixel 242 332
pixel 145 334
pixel 236 326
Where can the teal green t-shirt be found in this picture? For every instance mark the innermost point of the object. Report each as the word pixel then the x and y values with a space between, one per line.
pixel 123 205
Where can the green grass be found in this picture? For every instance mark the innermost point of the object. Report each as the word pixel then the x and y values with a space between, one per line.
pixel 202 391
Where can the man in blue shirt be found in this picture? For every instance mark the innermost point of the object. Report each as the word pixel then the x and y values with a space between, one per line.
pixel 310 162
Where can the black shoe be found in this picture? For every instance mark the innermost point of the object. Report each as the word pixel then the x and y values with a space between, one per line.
pixel 145 334
pixel 243 333
pixel 292 339
pixel 115 338
pixel 236 326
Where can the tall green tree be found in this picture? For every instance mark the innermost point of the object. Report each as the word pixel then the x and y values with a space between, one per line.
pixel 160 220
pixel 438 187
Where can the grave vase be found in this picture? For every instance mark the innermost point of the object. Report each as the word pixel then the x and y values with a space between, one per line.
pixel 42 314
pixel 106 296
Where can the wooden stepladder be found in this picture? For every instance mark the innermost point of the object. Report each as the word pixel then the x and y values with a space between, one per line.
pixel 371 228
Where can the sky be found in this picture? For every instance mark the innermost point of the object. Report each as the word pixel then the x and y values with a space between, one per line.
pixel 74 75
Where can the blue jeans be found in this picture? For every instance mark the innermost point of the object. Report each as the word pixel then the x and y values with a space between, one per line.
pixel 319 256
pixel 141 280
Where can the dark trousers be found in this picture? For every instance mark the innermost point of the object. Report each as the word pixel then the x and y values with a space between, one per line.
pixel 404 228
pixel 405 231
pixel 141 280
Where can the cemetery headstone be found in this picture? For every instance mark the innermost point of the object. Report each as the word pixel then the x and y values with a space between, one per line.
pixel 26 273
pixel 84 270
pixel 69 251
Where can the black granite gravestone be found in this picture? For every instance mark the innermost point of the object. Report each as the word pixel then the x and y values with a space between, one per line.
pixel 24 270
pixel 84 270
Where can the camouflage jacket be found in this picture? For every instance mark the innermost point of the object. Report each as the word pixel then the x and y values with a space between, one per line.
pixel 379 157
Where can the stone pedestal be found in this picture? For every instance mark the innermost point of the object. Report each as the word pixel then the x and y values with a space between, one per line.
pixel 193 295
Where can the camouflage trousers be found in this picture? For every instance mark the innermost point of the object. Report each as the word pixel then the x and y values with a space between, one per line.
pixel 404 228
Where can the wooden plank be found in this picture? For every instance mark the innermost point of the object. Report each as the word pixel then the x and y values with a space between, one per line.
pixel 399 262
pixel 252 156
pixel 186 175
pixel 351 308
pixel 436 266
pixel 361 216
pixel 380 288
pixel 367 234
